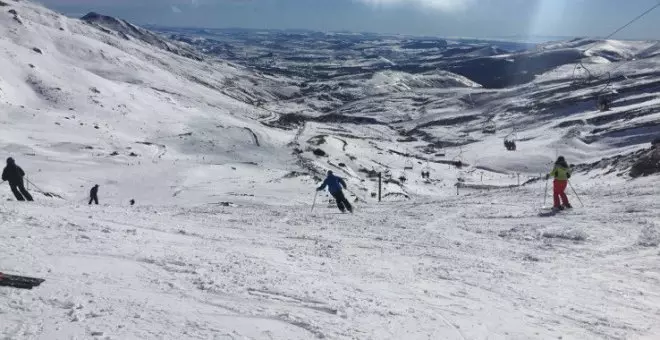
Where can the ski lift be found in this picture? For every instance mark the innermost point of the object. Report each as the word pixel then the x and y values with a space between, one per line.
pixel 426 174
pixel 426 171
pixel 603 103
pixel 409 165
pixel 581 75
pixel 489 128
pixel 457 161
pixel 510 141
pixel 461 177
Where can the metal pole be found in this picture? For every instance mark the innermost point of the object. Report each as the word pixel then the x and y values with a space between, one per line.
pixel 545 193
pixel 576 194
pixel 380 185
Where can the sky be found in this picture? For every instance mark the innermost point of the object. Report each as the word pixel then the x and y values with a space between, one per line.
pixel 443 18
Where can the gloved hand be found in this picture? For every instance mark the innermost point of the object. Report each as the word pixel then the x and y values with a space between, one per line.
pixel 547 177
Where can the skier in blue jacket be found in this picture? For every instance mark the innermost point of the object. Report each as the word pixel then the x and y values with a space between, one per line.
pixel 335 184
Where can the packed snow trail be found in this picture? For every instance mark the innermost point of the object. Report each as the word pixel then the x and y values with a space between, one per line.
pixel 478 266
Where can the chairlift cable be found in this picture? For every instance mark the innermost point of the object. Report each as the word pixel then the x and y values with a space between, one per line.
pixel 609 73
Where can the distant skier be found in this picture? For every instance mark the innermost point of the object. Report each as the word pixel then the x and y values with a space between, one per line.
pixel 14 175
pixel 561 173
pixel 335 184
pixel 93 195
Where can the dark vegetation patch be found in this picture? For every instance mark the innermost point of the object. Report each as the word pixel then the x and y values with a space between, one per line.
pixel 291 120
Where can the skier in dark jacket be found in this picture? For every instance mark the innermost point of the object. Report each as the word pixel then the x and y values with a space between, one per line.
pixel 93 195
pixel 335 184
pixel 14 175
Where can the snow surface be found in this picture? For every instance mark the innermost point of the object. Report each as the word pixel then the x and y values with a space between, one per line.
pixel 477 266
pixel 222 243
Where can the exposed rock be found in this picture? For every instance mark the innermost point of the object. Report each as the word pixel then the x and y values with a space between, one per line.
pixel 648 163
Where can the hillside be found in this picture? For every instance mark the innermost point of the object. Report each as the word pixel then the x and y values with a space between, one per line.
pixel 84 103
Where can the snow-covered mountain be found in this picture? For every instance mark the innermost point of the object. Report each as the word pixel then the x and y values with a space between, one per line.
pixel 221 139
pixel 97 104
pixel 129 31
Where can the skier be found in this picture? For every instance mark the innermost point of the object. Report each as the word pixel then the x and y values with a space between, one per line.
pixel 561 173
pixel 14 175
pixel 335 184
pixel 93 195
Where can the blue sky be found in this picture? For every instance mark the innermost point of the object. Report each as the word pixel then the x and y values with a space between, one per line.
pixel 466 18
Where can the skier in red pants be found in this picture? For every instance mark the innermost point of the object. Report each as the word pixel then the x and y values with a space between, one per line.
pixel 561 173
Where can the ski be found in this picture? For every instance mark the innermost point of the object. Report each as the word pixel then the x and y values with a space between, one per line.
pixel 17 281
pixel 545 212
pixel 548 212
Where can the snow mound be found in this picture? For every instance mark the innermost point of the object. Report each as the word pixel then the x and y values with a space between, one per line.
pixel 649 236
pixel 394 81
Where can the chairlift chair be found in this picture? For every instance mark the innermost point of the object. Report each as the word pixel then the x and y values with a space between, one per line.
pixel 603 103
pixel 457 162
pixel 408 165
pixel 489 128
pixel 510 141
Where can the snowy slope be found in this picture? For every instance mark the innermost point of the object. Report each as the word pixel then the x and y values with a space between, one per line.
pixel 89 94
pixel 480 266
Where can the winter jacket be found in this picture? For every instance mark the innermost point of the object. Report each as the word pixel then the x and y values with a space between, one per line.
pixel 94 191
pixel 12 173
pixel 561 172
pixel 334 184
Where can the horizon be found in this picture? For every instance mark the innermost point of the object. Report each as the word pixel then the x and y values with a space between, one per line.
pixel 484 38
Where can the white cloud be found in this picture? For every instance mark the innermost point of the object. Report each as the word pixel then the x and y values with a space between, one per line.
pixel 176 9
pixel 442 5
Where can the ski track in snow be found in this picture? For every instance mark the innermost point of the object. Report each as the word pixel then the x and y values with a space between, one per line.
pixel 478 266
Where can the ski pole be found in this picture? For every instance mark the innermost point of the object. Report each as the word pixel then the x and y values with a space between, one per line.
pixel 47 194
pixel 36 187
pixel 545 193
pixel 314 202
pixel 576 194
